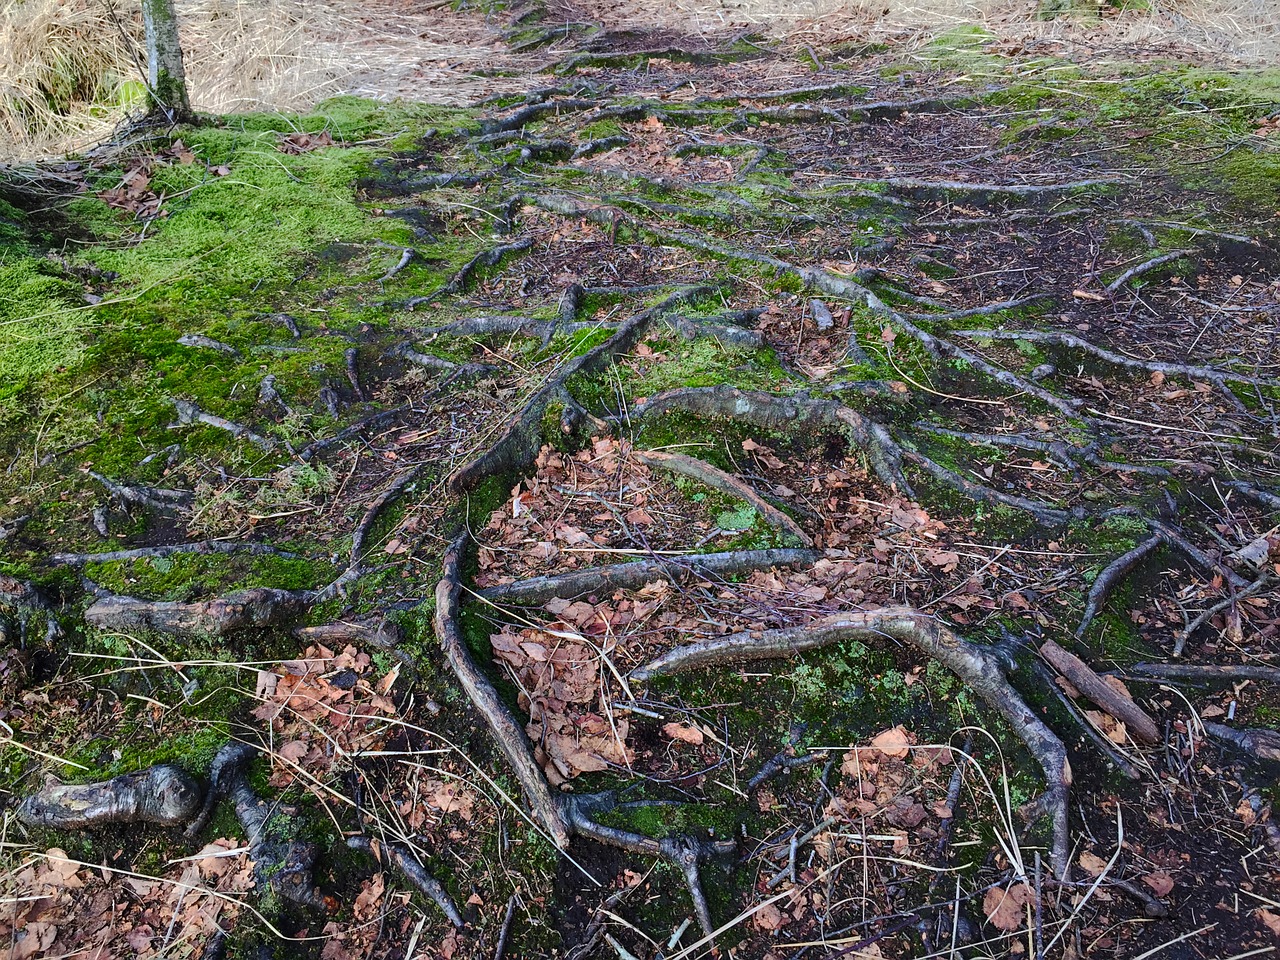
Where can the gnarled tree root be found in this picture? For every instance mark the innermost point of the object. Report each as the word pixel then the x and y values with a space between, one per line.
pixel 163 794
pixel 281 864
pixel 1110 578
pixel 718 479
pixel 976 666
pixel 791 415
pixel 257 607
pixel 522 436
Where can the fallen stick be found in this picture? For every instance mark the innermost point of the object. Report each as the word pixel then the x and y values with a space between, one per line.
pixel 1115 703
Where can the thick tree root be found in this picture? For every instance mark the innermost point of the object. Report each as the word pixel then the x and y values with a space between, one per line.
pixel 1197 671
pixel 1146 267
pixel 150 498
pixel 246 609
pixel 281 864
pixel 792 415
pixel 389 853
pixel 565 815
pixel 200 547
pixel 162 794
pixel 1259 744
pixel 976 666
pixel 633 576
pixel 717 479
pixel 522 436
pixel 510 736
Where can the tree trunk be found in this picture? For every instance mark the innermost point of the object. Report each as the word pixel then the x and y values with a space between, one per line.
pixel 166 80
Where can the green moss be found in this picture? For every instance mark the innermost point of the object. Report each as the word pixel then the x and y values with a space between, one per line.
pixel 188 576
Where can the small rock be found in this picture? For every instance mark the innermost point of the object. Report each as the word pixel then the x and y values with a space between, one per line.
pixel 821 315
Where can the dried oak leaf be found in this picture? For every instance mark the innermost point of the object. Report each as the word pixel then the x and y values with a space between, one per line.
pixel 770 918
pixel 1006 908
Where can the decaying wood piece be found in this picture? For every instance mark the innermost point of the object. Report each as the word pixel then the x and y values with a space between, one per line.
pixel 376 631
pixel 976 666
pixel 389 853
pixel 1258 743
pixel 1110 699
pixel 718 479
pixel 255 608
pixel 163 794
pixel 633 576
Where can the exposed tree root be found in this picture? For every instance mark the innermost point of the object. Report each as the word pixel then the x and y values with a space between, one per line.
pixel 1199 671
pixel 200 547
pixel 1259 744
pixel 162 794
pixel 246 609
pixel 390 853
pixel 1255 493
pixel 717 479
pixel 510 736
pixel 1071 341
pixel 793 415
pixel 1146 267
pixel 150 498
pixel 1045 514
pixel 189 413
pixel 281 864
pixel 633 576
pixel 466 274
pixel 565 815
pixel 977 667
pixel 207 343
pixel 1110 578
pixel 1256 587
pixel 522 436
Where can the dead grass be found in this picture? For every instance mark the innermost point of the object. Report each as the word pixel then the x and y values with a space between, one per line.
pixel 70 66
pixel 69 72
pixel 1240 29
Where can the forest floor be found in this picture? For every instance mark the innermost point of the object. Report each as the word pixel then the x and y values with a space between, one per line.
pixel 716 501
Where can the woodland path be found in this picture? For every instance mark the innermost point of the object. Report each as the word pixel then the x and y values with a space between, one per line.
pixel 838 514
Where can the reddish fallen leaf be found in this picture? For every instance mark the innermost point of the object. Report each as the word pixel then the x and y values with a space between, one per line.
pixel 1160 882
pixel 1006 909
pixel 894 742
pixel 683 733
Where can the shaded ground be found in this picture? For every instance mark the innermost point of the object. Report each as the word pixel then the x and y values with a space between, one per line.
pixel 839 363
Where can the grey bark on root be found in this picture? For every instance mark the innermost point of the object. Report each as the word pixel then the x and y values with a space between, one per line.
pixel 163 794
pixel 977 667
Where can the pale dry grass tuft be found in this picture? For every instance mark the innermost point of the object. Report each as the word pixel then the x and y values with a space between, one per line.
pixel 70 68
